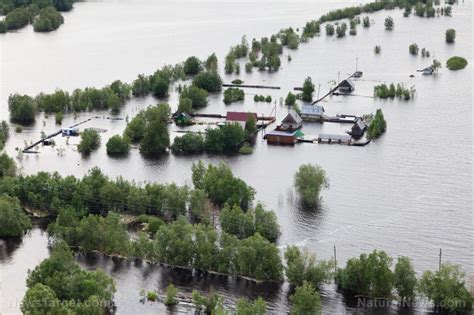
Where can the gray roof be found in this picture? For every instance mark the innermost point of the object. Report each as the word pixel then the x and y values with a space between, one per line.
pixel 347 82
pixel 292 118
pixel 334 137
pixel 281 133
pixel 361 124
pixel 312 110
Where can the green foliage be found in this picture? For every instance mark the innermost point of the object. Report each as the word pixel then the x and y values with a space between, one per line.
pixel 413 49
pixel 250 125
pixel 59 278
pixel 211 63
pixel 228 138
pixel 151 296
pixel 199 206
pixel 197 96
pixel 221 186
pixel 368 275
pixel 234 221
pixel 58 118
pixel 308 90
pixel 209 81
pixel 118 145
pixel 391 91
pixel 405 279
pixel 185 106
pixel 290 99
pixel 160 87
pixel 436 65
pixel 13 222
pixel 171 293
pixel 58 101
pixel 210 305
pixel 232 95
pixel 4 134
pixel 377 126
pixel 341 29
pixel 7 166
pixel 135 129
pixel 18 18
pixel 246 149
pixel 303 267
pixel 311 29
pixel 446 288
pixel 22 108
pixel 330 30
pixel 456 63
pixel 141 85
pixel 377 49
pixel 192 66
pixel 305 300
pixel 90 141
pixel 255 307
pixel 289 38
pixel 420 9
pixel 156 138
pixel 366 21
pixel 49 19
pixel 190 143
pixel 389 24
pixel 309 180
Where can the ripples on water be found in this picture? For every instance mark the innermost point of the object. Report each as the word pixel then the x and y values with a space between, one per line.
pixel 408 193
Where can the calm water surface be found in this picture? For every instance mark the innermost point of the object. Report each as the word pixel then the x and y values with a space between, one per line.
pixel 408 193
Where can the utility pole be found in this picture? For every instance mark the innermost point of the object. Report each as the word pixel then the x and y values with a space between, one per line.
pixel 319 89
pixel 439 266
pixel 338 75
pixel 335 261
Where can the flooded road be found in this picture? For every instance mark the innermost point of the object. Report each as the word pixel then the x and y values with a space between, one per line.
pixel 408 193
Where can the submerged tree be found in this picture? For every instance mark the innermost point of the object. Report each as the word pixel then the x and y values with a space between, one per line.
pixel 308 90
pixel 309 180
pixel 305 300
pixel 389 24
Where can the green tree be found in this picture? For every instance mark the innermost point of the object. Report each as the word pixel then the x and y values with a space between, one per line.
pixel 456 63
pixel 160 87
pixel 209 81
pixel 190 143
pixel 436 65
pixel 266 223
pixel 118 145
pixel 446 288
pixel 377 126
pixel 389 24
pixel 290 99
pixel 232 95
pixel 22 108
pixel 211 63
pixel 197 96
pixel 405 279
pixel 309 180
pixel 413 49
pixel 156 138
pixel 7 166
pixel 246 307
pixel 302 266
pixel 234 221
pixel 13 222
pixel 49 19
pixel 305 300
pixel 90 141
pixel 40 299
pixel 308 90
pixel 192 66
pixel 135 129
pixel 4 134
pixel 450 36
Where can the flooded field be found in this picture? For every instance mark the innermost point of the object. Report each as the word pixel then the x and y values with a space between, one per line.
pixel 408 193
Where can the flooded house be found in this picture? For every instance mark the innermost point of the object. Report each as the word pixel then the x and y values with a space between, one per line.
pixel 312 113
pixel 292 121
pixel 358 129
pixel 346 86
pixel 70 132
pixel 183 119
pixel 283 137
pixel 240 117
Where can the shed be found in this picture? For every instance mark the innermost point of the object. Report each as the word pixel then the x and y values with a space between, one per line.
pixel 333 138
pixel 240 117
pixel 312 113
pixel 427 71
pixel 346 86
pixel 283 137
pixel 358 129
pixel 70 132
pixel 183 119
pixel 292 121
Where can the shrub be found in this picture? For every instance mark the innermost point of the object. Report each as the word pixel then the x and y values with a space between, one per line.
pixel 308 90
pixel 190 143
pixel 171 293
pixel 90 141
pixel 13 222
pixel 17 18
pixel 377 126
pixel 377 49
pixel 450 36
pixel 197 96
pixel 305 300
pixel 4 134
pixel 118 145
pixel 366 21
pixel 456 63
pixel 389 24
pixel 160 87
pixel 232 95
pixel 330 30
pixel 302 266
pixel 413 49
pixel 309 180
pixel 49 19
pixel 290 99
pixel 58 117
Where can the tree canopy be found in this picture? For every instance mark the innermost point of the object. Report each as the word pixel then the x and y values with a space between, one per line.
pixel 13 222
pixel 309 180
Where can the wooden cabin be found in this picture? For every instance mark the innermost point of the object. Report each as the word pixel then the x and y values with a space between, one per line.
pixel 333 138
pixel 358 129
pixel 283 137
pixel 183 119
pixel 291 122
pixel 312 113
pixel 346 86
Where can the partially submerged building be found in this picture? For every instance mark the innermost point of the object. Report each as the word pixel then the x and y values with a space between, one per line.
pixel 70 132
pixel 291 122
pixel 358 129
pixel 312 113
pixel 283 137
pixel 240 117
pixel 346 86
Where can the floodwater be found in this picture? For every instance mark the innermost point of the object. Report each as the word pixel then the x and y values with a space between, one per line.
pixel 408 193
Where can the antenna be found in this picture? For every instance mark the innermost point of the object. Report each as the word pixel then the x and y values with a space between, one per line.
pixel 357 62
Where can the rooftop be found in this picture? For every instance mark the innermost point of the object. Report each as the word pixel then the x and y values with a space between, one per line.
pixel 239 116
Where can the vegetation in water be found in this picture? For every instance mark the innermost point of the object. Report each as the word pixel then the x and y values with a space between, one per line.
pixel 456 63
pixel 308 90
pixel 49 19
pixel 90 141
pixel 22 108
pixel 330 30
pixel 450 35
pixel 413 49
pixel 262 98
pixel 405 279
pixel 190 143
pixel 389 23
pixel 209 81
pixel 377 126
pixel 305 300
pixel 171 293
pixel 4 134
pixel 309 180
pixel 13 222
pixel 391 91
pixel 232 95
pixel 59 286
pixel 118 145
pixel 192 66
pixel 290 99
pixel 196 95
pixel 377 49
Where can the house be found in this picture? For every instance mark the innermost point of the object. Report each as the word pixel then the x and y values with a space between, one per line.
pixel 312 113
pixel 333 138
pixel 346 86
pixel 292 121
pixel 183 119
pixel 240 117
pixel 283 137
pixel 70 132
pixel 358 74
pixel 358 129
pixel 427 71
